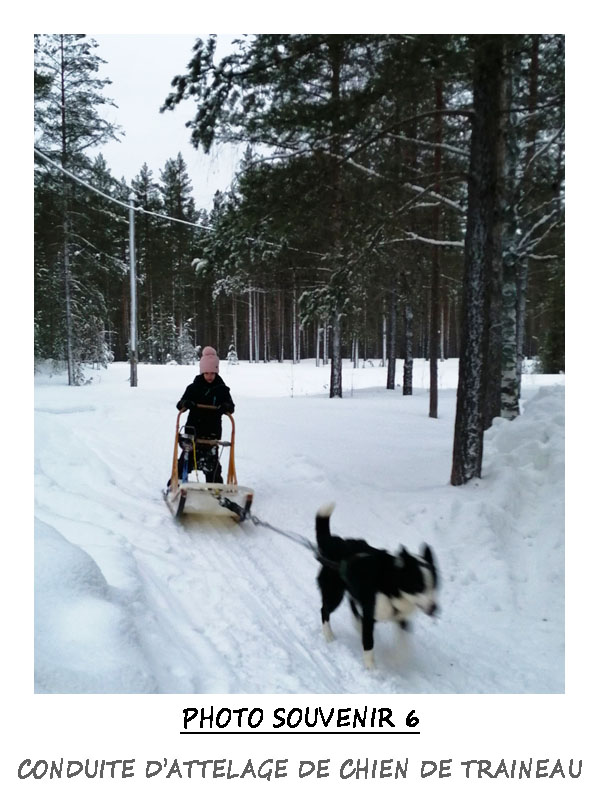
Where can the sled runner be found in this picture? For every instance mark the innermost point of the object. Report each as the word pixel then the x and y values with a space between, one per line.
pixel 190 494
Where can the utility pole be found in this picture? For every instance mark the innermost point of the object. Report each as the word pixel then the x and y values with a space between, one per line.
pixel 133 303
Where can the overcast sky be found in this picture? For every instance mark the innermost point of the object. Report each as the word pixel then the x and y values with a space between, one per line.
pixel 141 67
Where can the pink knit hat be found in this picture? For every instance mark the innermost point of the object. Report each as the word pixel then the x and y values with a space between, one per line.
pixel 209 362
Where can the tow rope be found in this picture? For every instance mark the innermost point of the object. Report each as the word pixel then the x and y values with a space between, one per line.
pixel 302 540
pixel 245 514
pixel 294 537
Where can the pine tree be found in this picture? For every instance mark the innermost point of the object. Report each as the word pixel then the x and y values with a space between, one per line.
pixel 150 257
pixel 534 201
pixel 477 360
pixel 304 93
pixel 100 266
pixel 179 251
pixel 68 123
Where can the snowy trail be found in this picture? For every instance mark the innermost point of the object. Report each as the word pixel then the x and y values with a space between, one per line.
pixel 216 607
pixel 195 578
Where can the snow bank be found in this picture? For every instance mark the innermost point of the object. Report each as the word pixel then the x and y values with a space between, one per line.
pixel 507 546
pixel 524 473
pixel 85 640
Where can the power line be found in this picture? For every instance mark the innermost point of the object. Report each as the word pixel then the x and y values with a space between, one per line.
pixel 155 213
pixel 114 200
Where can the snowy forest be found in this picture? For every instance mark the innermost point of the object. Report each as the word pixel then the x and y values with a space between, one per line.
pixel 399 197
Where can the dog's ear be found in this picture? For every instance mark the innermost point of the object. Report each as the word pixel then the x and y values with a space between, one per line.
pixel 427 554
pixel 400 559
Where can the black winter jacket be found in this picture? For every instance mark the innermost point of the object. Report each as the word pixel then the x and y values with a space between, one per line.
pixel 207 423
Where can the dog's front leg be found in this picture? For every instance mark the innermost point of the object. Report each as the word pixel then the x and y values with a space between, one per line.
pixel 368 626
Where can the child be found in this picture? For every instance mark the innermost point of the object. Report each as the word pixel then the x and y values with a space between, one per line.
pixel 207 389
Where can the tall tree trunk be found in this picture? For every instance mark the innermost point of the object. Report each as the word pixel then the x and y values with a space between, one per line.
pixel 523 266
pixel 480 257
pixel 256 305
pixel 250 328
pixel 335 384
pixel 317 345
pixel 294 321
pixel 266 330
pixel 336 56
pixel 434 330
pixel 424 325
pixel 407 377
pixel 443 330
pixel 493 372
pixel 281 324
pixel 522 280
pixel 73 368
pixel 234 334
pixel 510 378
pixel 391 354
pixel 457 330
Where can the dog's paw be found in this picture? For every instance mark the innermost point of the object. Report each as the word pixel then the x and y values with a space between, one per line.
pixel 327 632
pixel 369 659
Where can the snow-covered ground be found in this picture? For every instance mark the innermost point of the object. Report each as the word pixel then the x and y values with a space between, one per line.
pixel 128 601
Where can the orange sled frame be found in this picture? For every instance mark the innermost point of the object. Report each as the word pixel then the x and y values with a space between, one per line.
pixel 194 497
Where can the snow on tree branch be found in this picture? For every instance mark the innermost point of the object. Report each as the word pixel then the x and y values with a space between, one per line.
pixel 527 243
pixel 432 145
pixel 445 200
pixel 543 149
pixel 409 236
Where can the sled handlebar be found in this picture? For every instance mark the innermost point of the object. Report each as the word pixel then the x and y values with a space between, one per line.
pixel 208 408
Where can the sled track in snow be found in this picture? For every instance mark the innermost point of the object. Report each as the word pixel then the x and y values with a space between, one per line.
pixel 246 614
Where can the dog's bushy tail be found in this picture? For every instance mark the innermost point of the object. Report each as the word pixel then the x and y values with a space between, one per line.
pixel 322 525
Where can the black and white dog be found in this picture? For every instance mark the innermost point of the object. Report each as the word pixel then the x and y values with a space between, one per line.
pixel 381 586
